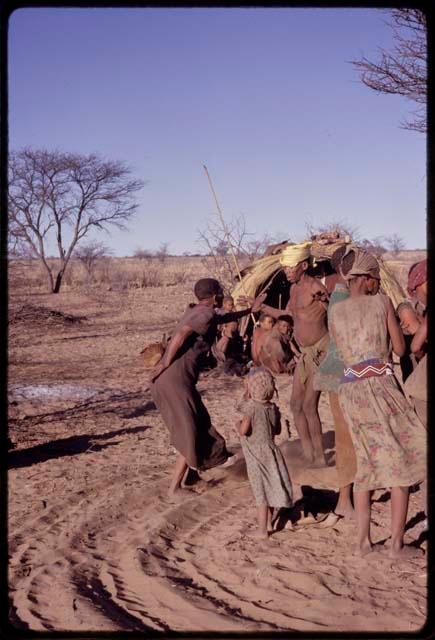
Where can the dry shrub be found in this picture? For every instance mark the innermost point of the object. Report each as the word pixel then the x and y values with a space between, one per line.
pixel 118 274
pixel 151 277
pixel 103 272
pixel 119 279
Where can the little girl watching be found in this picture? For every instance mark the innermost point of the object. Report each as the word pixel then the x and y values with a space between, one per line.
pixel 267 471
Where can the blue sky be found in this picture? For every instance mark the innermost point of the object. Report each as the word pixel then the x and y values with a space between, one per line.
pixel 266 98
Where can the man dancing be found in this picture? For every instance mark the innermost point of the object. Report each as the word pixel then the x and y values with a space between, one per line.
pixel 307 305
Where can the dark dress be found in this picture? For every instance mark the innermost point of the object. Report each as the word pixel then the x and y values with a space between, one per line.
pixel 179 402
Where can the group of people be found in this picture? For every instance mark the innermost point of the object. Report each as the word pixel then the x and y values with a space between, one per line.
pixel 335 336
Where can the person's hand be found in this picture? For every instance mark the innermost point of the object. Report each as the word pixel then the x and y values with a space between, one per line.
pixel 257 303
pixel 244 301
pixel 320 295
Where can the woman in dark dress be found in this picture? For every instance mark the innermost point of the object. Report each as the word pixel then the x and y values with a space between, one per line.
pixel 173 383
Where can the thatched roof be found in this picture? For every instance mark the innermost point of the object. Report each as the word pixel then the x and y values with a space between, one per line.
pixel 260 273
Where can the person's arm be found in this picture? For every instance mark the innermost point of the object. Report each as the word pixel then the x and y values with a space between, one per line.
pixel 420 336
pixel 244 426
pixel 394 330
pixel 255 305
pixel 275 313
pixel 176 342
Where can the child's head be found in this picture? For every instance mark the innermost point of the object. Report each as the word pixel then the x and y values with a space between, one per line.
pixel 261 385
pixel 209 289
pixel 417 281
pixel 284 324
pixel 228 304
pixel 230 329
pixel 408 317
pixel 266 321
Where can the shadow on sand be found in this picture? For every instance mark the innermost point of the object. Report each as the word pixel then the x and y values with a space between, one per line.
pixel 118 403
pixel 72 446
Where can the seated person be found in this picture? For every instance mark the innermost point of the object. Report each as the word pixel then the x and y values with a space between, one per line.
pixel 265 325
pixel 278 350
pixel 227 305
pixel 229 350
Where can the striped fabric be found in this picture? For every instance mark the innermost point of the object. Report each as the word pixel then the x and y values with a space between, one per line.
pixel 367 369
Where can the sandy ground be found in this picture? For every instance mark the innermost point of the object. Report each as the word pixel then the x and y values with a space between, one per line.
pixel 94 545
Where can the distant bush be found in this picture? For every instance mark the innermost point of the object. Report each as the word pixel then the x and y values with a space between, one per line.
pixel 143 254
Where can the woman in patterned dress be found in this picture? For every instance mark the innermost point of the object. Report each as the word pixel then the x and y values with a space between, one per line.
pixel 389 439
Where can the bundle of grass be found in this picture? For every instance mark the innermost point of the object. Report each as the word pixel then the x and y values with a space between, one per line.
pixel 325 244
pixel 153 353
pixel 257 276
pixel 390 285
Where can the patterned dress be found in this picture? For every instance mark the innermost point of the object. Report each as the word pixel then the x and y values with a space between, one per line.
pixel 265 464
pixel 389 438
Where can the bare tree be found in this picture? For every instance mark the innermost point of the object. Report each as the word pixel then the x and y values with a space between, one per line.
pixel 221 245
pixel 89 255
pixel 402 71
pixel 162 252
pixel 61 197
pixel 395 243
pixel 143 254
pixel 376 246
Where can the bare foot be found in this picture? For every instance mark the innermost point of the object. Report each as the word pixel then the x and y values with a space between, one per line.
pixel 330 521
pixel 258 534
pixel 365 549
pixel 348 513
pixel 230 461
pixel 407 552
pixel 179 494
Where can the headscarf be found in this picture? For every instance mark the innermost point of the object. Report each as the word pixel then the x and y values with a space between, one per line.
pixel 417 275
pixel 206 288
pixel 292 255
pixel 261 384
pixel 365 264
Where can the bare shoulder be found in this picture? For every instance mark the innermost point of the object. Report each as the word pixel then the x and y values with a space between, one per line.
pixel 316 284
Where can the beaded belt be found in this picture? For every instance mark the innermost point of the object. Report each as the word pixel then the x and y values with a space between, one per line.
pixel 367 369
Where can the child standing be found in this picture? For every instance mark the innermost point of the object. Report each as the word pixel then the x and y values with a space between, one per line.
pixel 267 471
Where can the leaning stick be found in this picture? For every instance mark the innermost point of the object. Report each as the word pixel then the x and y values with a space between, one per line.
pixel 227 233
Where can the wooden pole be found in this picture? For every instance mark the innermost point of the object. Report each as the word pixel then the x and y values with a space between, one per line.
pixel 226 232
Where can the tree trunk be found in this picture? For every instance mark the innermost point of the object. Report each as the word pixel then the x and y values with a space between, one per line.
pixel 58 282
pixel 49 276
